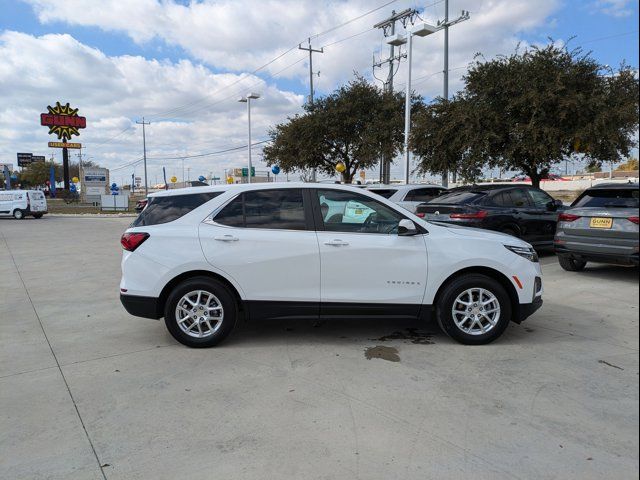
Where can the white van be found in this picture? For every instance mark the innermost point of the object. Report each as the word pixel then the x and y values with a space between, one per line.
pixel 21 203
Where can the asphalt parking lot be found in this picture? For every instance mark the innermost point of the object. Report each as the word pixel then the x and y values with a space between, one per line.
pixel 87 391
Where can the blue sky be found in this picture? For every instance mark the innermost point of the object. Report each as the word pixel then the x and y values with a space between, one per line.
pixel 120 60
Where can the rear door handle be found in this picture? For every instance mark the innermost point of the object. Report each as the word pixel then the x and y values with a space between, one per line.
pixel 337 243
pixel 226 238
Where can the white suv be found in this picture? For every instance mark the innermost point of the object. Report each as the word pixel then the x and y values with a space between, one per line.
pixel 408 196
pixel 200 256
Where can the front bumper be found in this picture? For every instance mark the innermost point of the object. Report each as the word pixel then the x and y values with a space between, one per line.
pixel 146 307
pixel 527 309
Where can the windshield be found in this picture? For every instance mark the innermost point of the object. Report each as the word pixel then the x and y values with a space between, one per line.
pixel 608 198
pixel 459 197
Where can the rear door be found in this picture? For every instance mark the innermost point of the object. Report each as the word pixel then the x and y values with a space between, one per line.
pixel 37 201
pixel 264 240
pixel 366 268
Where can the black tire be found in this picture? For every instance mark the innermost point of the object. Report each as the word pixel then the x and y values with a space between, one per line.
pixel 18 214
pixel 571 264
pixel 450 293
pixel 219 290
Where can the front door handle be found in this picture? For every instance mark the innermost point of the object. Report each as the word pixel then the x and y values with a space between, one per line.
pixel 226 238
pixel 336 243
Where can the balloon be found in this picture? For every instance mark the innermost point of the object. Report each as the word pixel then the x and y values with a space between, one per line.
pixel 340 167
pixel 75 179
pixel 202 178
pixel 174 179
pixel 275 169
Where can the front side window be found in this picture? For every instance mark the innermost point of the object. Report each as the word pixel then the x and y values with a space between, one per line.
pixel 280 209
pixel 342 211
pixel 166 209
pixel 540 199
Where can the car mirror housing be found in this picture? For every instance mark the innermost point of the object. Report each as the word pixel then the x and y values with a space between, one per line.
pixel 407 228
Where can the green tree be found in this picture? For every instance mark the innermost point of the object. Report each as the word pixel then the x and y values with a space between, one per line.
pixel 36 174
pixel 630 165
pixel 355 125
pixel 529 111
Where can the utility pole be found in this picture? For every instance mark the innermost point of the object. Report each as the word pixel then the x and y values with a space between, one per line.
pixel 388 27
pixel 144 154
pixel 311 51
pixel 445 94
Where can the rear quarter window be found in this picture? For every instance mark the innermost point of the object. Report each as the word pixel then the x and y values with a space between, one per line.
pixel 167 209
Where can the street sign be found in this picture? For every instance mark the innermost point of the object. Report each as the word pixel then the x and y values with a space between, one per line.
pixel 37 158
pixel 64 145
pixel 24 159
pixel 245 171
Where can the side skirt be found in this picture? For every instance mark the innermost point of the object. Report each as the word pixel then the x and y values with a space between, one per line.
pixel 259 310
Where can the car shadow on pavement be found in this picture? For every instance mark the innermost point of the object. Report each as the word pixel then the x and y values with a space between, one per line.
pixel 608 272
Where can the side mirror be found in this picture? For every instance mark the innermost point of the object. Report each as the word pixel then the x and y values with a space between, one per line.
pixel 406 228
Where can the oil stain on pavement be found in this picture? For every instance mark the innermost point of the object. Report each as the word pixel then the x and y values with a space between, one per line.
pixel 411 334
pixel 385 353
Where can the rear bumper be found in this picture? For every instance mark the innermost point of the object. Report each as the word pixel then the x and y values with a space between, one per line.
pixel 622 258
pixel 527 309
pixel 146 307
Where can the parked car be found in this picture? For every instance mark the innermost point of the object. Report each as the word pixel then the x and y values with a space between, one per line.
pixel 408 196
pixel 519 210
pixel 23 203
pixel 140 204
pixel 600 226
pixel 199 256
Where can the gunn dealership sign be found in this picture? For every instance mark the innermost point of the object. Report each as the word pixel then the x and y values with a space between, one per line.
pixel 63 121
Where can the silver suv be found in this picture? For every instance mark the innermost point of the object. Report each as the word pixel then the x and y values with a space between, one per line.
pixel 600 226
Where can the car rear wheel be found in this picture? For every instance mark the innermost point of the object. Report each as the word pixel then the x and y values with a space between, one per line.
pixel 474 309
pixel 200 312
pixel 18 214
pixel 571 264
pixel 510 231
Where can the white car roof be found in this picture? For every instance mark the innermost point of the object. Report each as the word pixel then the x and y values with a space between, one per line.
pixel 411 186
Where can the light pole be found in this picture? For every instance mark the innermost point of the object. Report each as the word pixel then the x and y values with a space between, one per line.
pixel 420 30
pixel 247 99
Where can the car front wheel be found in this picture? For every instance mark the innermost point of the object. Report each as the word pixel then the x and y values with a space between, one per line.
pixel 18 214
pixel 200 312
pixel 474 309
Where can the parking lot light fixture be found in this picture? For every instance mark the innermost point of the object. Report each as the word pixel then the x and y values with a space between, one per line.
pixel 420 30
pixel 247 99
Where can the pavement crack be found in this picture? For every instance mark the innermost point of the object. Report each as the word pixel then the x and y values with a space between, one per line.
pixel 53 353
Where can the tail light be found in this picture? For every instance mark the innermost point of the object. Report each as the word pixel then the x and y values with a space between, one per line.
pixel 420 214
pixel 635 220
pixel 568 217
pixel 131 241
pixel 470 216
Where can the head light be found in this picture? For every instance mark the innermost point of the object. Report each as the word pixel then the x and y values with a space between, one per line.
pixel 527 252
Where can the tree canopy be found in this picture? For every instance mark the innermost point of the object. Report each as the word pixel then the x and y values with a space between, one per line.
pixel 355 125
pixel 529 111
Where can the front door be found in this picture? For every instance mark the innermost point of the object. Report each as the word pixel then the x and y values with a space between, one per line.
pixel 543 216
pixel 365 267
pixel 265 242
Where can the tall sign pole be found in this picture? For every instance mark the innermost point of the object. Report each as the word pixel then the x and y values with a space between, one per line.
pixel 64 122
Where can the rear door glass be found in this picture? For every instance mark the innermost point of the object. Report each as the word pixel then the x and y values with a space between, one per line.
pixel 167 209
pixel 608 198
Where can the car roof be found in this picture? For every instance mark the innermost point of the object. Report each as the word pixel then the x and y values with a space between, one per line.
pixel 620 186
pixel 488 188
pixel 411 186
pixel 243 187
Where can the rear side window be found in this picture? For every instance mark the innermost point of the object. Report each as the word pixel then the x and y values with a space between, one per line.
pixel 280 209
pixel 510 198
pixel 167 209
pixel 608 198
pixel 384 192
pixel 422 194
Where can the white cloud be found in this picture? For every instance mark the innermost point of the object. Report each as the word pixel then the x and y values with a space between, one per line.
pixel 614 8
pixel 228 36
